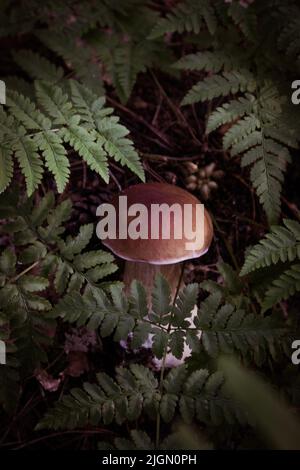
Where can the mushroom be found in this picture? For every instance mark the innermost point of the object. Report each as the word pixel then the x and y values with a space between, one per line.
pixel 147 257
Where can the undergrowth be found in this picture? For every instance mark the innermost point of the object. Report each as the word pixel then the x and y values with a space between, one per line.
pixel 76 61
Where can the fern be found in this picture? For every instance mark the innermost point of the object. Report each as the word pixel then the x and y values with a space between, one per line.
pixel 6 164
pixel 280 247
pixel 42 129
pixel 288 40
pixel 140 440
pixel 226 328
pixel 24 308
pixel 130 52
pixel 223 328
pixel 40 253
pixel 37 66
pixel 200 396
pixel 220 85
pixel 188 16
pixel 284 287
pixel 231 111
pixel 259 129
pixel 245 18
pixel 207 61
pixel 77 56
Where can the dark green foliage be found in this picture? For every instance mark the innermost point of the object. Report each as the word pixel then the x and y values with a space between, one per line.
pixel 280 247
pixel 72 53
pixel 38 252
pixel 256 113
pixel 71 115
pixel 200 396
pixel 224 328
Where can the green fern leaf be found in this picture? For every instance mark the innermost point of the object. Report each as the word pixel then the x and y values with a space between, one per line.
pixel 141 440
pixel 176 343
pixel 189 16
pixel 41 210
pixel 37 67
pixel 138 300
pixel 226 329
pixel 78 57
pixel 31 166
pixel 221 85
pixel 92 258
pixel 74 246
pixel 113 137
pixel 207 61
pixel 55 156
pixel 25 111
pixel 87 104
pixel 262 134
pixel 161 297
pixel 89 150
pixel 55 102
pixel 281 244
pixel 160 342
pixel 283 287
pixel 6 165
pixel 229 112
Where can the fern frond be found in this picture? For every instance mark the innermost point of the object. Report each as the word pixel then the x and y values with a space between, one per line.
pixel 90 151
pixel 26 112
pixel 25 274
pixel 26 152
pixel 281 244
pixel 221 328
pixel 246 20
pixel 262 135
pixel 37 67
pixel 225 329
pixel 161 297
pixel 7 166
pixel 77 56
pixel 206 61
pixel 284 287
pixel 189 16
pixel 110 133
pixel 55 156
pixel 108 401
pixel 80 120
pixel 88 105
pixel 55 102
pixel 199 396
pixel 21 296
pixel 113 137
pixel 288 40
pixel 130 60
pixel 221 85
pixel 229 112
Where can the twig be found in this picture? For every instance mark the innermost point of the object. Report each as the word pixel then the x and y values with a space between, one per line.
pixel 180 116
pixel 164 158
pixel 115 180
pixel 293 208
pixel 14 279
pixel 141 120
pixel 228 246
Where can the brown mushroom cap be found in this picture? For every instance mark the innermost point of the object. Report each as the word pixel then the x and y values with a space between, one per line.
pixel 160 251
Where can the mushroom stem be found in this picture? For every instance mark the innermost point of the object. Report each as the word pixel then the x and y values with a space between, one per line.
pixel 146 274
